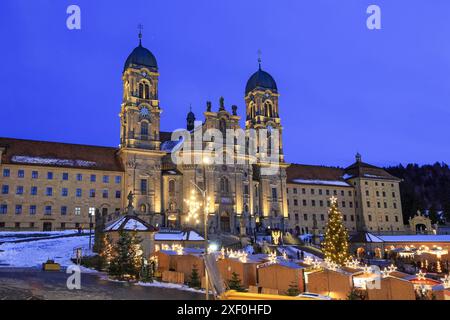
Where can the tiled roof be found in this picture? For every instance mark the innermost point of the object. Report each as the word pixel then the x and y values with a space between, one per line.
pixel 56 154
pixel 365 170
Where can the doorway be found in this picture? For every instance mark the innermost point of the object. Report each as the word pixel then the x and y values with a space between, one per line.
pixel 47 226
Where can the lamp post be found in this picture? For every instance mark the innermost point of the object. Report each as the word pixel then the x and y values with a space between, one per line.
pixel 91 215
pixel 205 220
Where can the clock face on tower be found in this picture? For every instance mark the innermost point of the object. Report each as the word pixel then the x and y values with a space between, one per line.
pixel 144 112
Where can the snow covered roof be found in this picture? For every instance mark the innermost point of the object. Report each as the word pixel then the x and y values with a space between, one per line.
pixel 130 223
pixel 56 154
pixel 178 236
pixel 322 182
pixel 417 238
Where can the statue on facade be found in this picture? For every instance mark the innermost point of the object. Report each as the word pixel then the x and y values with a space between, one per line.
pixel 208 106
pixel 222 104
pixel 234 108
pixel 130 198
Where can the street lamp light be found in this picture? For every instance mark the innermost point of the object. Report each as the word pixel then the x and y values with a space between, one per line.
pixel 91 215
pixel 206 199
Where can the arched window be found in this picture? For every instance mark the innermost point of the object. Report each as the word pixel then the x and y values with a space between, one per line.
pixel 141 90
pixel 146 91
pixel 268 112
pixel 144 128
pixel 171 187
pixel 224 185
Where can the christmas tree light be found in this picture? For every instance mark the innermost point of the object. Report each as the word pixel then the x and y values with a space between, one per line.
pixel 335 245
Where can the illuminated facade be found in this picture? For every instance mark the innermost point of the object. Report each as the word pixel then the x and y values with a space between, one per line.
pixel 242 197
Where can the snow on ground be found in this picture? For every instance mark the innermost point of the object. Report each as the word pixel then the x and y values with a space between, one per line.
pixel 34 253
pixel 169 286
pixel 292 251
pixel 9 236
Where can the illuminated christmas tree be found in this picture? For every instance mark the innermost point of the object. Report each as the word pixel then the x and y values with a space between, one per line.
pixel 335 245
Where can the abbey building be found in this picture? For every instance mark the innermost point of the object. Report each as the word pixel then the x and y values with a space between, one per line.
pixel 53 186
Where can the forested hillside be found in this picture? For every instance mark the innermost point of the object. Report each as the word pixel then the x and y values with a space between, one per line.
pixel 424 188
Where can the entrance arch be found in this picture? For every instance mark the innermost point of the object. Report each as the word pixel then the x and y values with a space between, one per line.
pixel 225 222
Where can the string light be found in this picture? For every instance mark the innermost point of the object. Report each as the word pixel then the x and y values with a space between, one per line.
pixel 272 257
pixel 421 275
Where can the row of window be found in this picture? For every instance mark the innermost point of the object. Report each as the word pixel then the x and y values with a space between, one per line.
pixel 321 203
pixel 352 217
pixel 48 210
pixel 20 190
pixel 32 225
pixel 64 176
pixel 377 193
pixel 385 205
pixel 320 192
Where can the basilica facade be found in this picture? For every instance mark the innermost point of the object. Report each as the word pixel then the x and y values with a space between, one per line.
pixel 52 186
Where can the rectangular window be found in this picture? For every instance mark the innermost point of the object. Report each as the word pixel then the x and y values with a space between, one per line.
pixel 342 193
pixel 48 210
pixel 49 191
pixel 305 217
pixel 393 194
pixel 312 191
pixel 92 193
pixel 105 194
pixel 118 194
pixel 320 191
pixel 93 178
pixel 378 205
pixel 378 193
pixel 367 192
pixel 304 203
pixel 246 189
pixel 105 179
pixel 6 173
pixel 386 218
pixel 77 211
pixel 395 205
pixel 3 208
pixel 34 175
pixel 295 190
pixel 303 191
pixel 79 177
pixel 368 204
pixel 49 175
pixel 295 202
pixel 17 225
pixel 274 194
pixel 313 203
pixel 343 204
pixel 384 194
pixel 33 190
pixel 370 217
pixel 65 176
pixel 64 192
pixel 5 189
pixel 79 193
pixel 118 179
pixel 350 204
pixel 345 217
pixel 385 205
pixel 335 192
pixel 63 210
pixel 32 209
pixel 327 192
pixel 349 193
pixel 31 224
pixel 396 218
pixel 19 190
pixel 322 217
pixel 63 225
pixel 18 209
pixel 321 203
pixel 20 174
pixel 352 217
pixel 143 186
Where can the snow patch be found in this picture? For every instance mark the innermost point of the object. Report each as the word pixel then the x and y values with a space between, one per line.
pixel 322 182
pixel 53 161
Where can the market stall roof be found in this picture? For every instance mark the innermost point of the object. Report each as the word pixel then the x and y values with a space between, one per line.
pixel 189 235
pixel 130 223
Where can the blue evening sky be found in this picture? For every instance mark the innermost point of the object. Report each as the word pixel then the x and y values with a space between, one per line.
pixel 343 88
